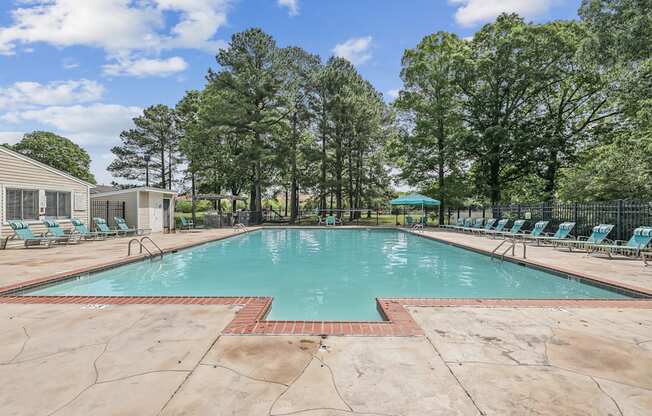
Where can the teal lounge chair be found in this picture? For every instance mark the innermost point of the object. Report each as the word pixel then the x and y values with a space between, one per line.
pixel 500 227
pixel 563 233
pixel 637 245
pixel 83 232
pixel 123 228
pixel 487 226
pixel 409 221
pixel 537 231
pixel 514 231
pixel 458 224
pixel 468 222
pixel 56 232
pixel 598 236
pixel 475 225
pixel 186 224
pixel 103 228
pixel 23 232
pixel 331 220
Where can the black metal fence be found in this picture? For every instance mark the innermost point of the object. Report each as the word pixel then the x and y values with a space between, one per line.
pixel 625 215
pixel 108 210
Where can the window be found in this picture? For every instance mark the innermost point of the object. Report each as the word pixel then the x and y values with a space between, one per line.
pixel 22 204
pixel 58 204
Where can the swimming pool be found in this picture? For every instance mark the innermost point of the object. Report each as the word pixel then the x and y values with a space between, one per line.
pixel 328 274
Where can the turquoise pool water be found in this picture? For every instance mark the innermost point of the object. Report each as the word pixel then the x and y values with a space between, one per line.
pixel 328 274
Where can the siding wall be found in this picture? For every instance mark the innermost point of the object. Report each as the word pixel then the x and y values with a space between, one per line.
pixel 18 173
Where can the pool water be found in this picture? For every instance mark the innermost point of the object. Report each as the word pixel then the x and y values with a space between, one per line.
pixel 328 274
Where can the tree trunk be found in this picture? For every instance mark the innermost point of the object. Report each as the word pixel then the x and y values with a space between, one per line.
pixel 550 177
pixel 441 160
pixel 194 203
pixel 322 184
pixel 294 203
pixel 163 169
pixel 338 171
pixel 350 172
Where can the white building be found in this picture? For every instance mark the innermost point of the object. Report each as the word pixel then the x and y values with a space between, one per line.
pixel 145 207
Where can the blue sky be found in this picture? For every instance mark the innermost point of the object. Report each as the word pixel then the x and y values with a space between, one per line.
pixel 84 68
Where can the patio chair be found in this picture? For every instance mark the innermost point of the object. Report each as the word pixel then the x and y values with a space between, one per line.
pixel 487 226
pixel 500 227
pixel 409 221
pixel 56 232
pixel 514 231
pixel 123 228
pixel 563 233
pixel 637 245
pixel 537 231
pixel 467 223
pixel 459 223
pixel 598 236
pixel 475 225
pixel 83 232
pixel 23 232
pixel 332 220
pixel 186 224
pixel 103 228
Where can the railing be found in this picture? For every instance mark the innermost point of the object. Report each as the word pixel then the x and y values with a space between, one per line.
pixel 108 210
pixel 511 245
pixel 143 247
pixel 624 215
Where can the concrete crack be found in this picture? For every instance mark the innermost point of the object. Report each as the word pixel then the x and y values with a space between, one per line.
pixel 303 370
pixel 337 390
pixel 97 374
pixel 620 411
pixel 262 380
pixel 22 348
pixel 459 382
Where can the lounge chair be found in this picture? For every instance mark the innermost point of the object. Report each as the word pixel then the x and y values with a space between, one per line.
pixel 537 231
pixel 123 228
pixel 57 233
pixel 636 245
pixel 186 224
pixel 500 227
pixel 409 221
pixel 598 236
pixel 103 228
pixel 83 232
pixel 458 223
pixel 466 223
pixel 333 220
pixel 515 231
pixel 475 225
pixel 23 232
pixel 487 226
pixel 563 233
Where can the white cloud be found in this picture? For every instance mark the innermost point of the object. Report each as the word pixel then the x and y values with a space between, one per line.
pixel 471 12
pixel 393 94
pixel 146 67
pixel 10 137
pixel 356 50
pixel 29 94
pixel 292 6
pixel 94 124
pixel 125 29
pixel 69 63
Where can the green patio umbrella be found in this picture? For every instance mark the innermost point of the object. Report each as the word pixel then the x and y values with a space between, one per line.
pixel 415 199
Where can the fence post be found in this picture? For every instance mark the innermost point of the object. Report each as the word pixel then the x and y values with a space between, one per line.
pixel 470 210
pixel 484 209
pixel 619 220
pixel 124 213
pixel 518 210
pixel 107 212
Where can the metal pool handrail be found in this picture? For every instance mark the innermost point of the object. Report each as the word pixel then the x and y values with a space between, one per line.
pixel 142 246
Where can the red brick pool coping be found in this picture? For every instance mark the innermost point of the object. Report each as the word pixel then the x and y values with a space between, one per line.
pixel 250 319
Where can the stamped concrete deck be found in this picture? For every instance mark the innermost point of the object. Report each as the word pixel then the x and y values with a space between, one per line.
pixel 173 360
pixel 80 359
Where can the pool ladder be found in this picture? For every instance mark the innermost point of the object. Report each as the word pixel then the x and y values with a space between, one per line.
pixel 142 246
pixel 511 245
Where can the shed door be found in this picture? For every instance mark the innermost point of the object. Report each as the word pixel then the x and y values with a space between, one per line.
pixel 166 214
